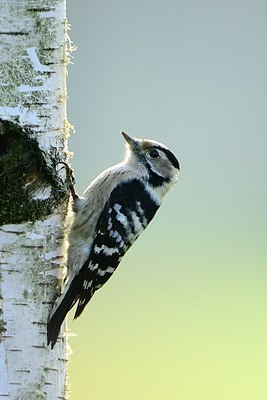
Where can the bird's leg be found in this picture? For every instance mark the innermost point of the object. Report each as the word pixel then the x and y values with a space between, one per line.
pixel 70 180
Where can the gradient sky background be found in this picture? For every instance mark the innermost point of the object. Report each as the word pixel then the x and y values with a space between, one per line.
pixel 185 315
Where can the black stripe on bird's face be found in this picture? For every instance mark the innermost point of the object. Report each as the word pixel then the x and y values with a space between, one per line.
pixel 170 155
pixel 155 179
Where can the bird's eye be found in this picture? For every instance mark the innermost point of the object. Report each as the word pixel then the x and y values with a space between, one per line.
pixel 153 153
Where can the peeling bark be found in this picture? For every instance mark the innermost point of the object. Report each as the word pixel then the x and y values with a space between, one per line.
pixel 33 54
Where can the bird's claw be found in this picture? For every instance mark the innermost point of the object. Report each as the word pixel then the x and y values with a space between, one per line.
pixel 70 180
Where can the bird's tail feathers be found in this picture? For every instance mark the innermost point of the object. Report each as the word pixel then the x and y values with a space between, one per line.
pixel 62 306
pixel 81 305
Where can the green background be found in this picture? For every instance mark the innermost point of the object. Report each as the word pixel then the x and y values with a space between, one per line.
pixel 184 316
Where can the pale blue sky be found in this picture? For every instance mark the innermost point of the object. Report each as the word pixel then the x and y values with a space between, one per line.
pixel 193 75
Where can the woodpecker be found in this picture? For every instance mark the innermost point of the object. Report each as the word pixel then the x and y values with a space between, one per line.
pixel 115 208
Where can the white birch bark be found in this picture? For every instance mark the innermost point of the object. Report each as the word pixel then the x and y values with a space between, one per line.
pixel 32 92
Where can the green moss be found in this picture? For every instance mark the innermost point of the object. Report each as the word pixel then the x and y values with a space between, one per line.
pixel 35 391
pixel 23 173
pixel 31 394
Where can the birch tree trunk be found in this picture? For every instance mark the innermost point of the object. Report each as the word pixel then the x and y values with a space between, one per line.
pixel 33 203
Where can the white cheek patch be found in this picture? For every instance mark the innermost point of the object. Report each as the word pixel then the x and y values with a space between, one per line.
pixel 160 164
pixel 154 169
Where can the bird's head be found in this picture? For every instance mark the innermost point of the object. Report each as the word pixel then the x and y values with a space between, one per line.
pixel 160 163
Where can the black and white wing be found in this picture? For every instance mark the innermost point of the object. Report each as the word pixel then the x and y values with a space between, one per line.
pixel 127 213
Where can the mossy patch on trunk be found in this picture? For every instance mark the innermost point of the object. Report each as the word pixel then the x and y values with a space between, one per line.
pixel 30 189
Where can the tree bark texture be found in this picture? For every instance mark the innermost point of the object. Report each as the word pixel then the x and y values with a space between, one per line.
pixel 33 139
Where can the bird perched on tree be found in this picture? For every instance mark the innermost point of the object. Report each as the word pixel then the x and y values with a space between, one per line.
pixel 116 207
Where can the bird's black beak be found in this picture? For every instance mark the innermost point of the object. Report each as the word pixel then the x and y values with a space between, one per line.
pixel 132 142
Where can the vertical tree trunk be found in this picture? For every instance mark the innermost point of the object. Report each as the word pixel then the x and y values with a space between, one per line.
pixel 33 202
